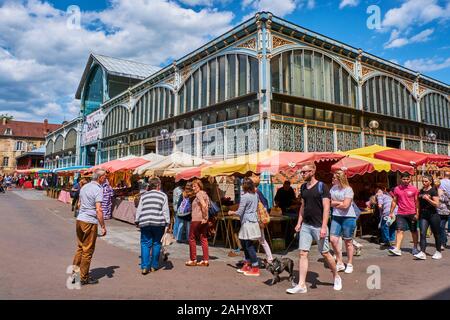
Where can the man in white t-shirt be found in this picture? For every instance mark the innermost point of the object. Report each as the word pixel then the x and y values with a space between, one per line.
pixel 90 215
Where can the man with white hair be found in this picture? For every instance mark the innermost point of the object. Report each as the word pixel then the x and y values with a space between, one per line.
pixel 90 215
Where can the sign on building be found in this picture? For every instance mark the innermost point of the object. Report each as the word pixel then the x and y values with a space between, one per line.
pixel 92 128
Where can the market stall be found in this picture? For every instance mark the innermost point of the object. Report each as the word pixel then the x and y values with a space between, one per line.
pixel 279 164
pixel 124 183
pixel 359 165
pixel 171 165
pixel 65 179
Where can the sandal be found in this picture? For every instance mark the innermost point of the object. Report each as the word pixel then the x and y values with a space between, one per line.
pixel 203 263
pixel 191 263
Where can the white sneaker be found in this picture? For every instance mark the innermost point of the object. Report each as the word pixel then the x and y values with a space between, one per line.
pixel 415 251
pixel 337 283
pixel 420 256
pixel 349 268
pixel 437 255
pixel 340 267
pixel 297 289
pixel 395 251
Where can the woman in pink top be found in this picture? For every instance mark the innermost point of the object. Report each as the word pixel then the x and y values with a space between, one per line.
pixel 199 225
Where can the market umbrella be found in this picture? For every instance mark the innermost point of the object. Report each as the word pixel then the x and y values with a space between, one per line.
pixel 368 151
pixel 413 158
pixel 177 159
pixel 354 165
pixel 189 173
pixel 266 161
pixel 71 169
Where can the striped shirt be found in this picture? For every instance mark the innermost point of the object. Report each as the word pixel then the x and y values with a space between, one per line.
pixel 153 209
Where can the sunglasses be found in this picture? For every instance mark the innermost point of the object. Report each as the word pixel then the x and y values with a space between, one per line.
pixel 305 171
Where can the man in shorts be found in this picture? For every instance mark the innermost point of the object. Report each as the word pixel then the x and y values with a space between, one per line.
pixel 313 225
pixel 406 197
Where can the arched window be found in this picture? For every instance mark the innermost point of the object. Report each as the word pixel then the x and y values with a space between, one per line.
pixel 155 105
pixel 220 79
pixel 435 109
pixel 313 75
pixel 116 121
pixel 388 96
pixel 58 144
pixel 71 140
pixel 49 148
pixel 93 94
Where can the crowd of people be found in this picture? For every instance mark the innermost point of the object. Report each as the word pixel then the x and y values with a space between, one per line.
pixel 7 181
pixel 327 216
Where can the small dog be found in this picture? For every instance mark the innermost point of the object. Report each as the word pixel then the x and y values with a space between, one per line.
pixel 278 266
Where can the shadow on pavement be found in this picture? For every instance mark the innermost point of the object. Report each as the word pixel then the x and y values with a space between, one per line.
pixel 442 295
pixel 99 273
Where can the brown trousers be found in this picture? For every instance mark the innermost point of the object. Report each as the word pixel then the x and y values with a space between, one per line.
pixel 86 237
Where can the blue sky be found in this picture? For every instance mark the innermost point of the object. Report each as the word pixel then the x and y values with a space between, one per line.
pixel 41 61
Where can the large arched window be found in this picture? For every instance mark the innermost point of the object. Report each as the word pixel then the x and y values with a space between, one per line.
pixel 93 95
pixel 71 140
pixel 116 121
pixel 49 148
pixel 155 105
pixel 58 144
pixel 313 75
pixel 435 109
pixel 218 80
pixel 388 96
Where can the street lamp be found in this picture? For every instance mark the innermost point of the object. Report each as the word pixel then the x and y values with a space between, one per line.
pixel 431 136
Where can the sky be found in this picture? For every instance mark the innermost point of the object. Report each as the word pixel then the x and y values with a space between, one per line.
pixel 42 54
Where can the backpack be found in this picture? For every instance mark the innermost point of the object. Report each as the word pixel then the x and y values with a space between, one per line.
pixel 303 187
pixel 263 215
pixel 184 208
pixel 444 206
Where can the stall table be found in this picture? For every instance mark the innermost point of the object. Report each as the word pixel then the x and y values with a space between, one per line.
pixel 225 224
pixel 364 213
pixel 123 209
pixel 64 196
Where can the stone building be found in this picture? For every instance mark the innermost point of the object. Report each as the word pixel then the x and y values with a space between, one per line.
pixel 17 137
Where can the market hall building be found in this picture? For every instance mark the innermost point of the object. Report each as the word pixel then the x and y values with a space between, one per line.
pixel 269 83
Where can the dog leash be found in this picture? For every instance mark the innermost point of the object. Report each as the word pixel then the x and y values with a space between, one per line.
pixel 290 244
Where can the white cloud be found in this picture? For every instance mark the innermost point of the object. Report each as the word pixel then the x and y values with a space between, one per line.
pixel 277 7
pixel 396 41
pixel 193 3
pixel 414 12
pixel 427 65
pixel 348 3
pixel 44 60
pixel 49 109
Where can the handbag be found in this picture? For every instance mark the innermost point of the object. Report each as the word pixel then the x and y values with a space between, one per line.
pixel 213 209
pixel 167 239
pixel 185 208
pixel 263 215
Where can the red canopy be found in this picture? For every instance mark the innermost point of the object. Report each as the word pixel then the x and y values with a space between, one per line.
pixel 121 164
pixel 409 157
pixel 358 165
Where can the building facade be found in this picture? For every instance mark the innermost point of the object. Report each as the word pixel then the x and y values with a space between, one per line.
pixel 19 137
pixel 269 83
